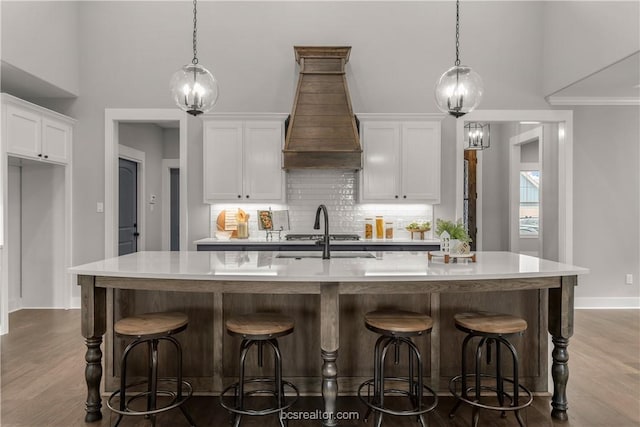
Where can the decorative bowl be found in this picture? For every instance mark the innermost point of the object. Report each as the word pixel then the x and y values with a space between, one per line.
pixel 223 235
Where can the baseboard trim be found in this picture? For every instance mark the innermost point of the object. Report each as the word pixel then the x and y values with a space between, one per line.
pixel 608 302
pixel 15 305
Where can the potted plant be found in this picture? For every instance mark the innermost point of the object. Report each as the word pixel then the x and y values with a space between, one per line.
pixel 458 237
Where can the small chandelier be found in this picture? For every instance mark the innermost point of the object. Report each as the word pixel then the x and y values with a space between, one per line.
pixel 477 135
pixel 193 87
pixel 459 89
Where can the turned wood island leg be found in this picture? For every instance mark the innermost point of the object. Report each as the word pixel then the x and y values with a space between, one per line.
pixel 561 329
pixel 93 327
pixel 329 341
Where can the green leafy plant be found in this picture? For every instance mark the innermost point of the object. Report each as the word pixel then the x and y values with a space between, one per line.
pixel 456 229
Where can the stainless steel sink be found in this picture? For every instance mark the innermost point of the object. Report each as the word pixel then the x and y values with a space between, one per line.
pixel 335 254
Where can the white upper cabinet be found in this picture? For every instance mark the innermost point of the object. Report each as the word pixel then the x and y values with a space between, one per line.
pixel 401 159
pixel 243 158
pixel 56 140
pixel 36 133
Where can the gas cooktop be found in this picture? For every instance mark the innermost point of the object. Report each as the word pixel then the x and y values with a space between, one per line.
pixel 320 236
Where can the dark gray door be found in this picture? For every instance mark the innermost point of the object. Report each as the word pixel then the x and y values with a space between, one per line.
pixel 175 208
pixel 128 217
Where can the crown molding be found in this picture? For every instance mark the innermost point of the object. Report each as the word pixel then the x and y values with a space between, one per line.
pixel 592 100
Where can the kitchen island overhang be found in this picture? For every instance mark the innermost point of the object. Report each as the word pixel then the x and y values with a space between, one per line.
pixel 387 273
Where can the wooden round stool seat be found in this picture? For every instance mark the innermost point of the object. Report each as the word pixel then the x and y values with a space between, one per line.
pixel 256 325
pixel 150 324
pixel 160 393
pixel 398 322
pixel 490 323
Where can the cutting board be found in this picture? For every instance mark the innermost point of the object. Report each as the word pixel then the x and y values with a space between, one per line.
pixel 227 220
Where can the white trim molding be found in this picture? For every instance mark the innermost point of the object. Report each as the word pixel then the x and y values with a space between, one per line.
pixel 400 116
pixel 112 117
pixel 564 118
pixel 607 302
pixel 593 100
pixel 165 200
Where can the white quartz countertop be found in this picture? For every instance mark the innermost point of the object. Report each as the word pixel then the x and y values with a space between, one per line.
pixel 295 266
pixel 283 241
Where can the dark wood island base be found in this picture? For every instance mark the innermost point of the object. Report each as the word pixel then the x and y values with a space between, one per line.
pixel 328 309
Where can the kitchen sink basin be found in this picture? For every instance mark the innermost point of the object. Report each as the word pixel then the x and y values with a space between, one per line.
pixel 301 255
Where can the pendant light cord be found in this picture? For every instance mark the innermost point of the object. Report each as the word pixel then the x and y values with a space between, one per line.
pixel 457 63
pixel 194 61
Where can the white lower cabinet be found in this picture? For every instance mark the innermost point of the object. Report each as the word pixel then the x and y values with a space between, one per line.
pixel 401 159
pixel 242 158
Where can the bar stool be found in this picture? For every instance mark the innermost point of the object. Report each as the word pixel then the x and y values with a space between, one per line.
pixel 397 327
pixel 490 328
pixel 257 330
pixel 151 328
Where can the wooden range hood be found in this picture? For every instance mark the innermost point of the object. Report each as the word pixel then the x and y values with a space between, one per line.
pixel 322 131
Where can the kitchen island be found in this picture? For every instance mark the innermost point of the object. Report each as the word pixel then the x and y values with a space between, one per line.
pixel 405 279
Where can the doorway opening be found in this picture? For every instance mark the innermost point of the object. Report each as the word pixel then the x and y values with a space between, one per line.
pixel 135 129
pixel 493 212
pixel 526 193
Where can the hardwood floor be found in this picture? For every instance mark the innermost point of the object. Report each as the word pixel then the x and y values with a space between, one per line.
pixel 43 369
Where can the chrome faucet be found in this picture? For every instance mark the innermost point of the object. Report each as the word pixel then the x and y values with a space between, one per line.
pixel 326 254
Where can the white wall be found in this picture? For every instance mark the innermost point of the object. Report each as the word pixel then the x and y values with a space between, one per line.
pixel 495 190
pixel 171 143
pixel 14 238
pixel 42 236
pixel 41 39
pixel 582 37
pixel 148 138
pixel 607 202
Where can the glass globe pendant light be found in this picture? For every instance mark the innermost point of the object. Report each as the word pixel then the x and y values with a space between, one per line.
pixel 459 90
pixel 193 87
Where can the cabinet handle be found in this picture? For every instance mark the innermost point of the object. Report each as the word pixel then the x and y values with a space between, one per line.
pixel 404 197
pixel 40 155
pixel 396 196
pixel 247 196
pixel 239 196
pixel 46 156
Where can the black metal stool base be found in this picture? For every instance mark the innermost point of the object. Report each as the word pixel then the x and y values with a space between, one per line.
pixel 182 390
pixel 415 391
pixel 468 388
pixel 418 409
pixel 259 412
pixel 277 389
pixel 460 396
pixel 187 392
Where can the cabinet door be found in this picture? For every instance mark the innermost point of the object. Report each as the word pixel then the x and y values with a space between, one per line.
pixel 421 161
pixel 222 156
pixel 56 141
pixel 263 174
pixel 24 130
pixel 380 179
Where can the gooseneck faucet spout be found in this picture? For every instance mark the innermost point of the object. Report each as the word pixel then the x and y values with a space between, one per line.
pixel 326 253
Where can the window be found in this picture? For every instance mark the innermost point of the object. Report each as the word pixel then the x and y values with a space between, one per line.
pixel 529 203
